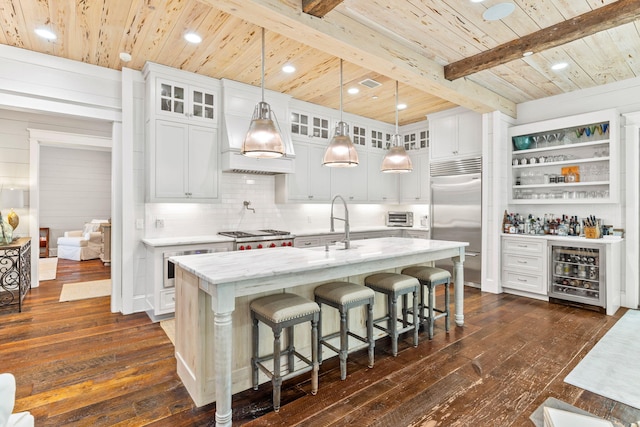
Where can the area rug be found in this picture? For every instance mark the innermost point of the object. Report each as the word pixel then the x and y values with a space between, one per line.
pixel 84 290
pixel 47 268
pixel 611 369
pixel 169 328
pixel 537 417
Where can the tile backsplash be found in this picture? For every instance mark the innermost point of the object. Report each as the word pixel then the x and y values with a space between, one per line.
pixel 191 219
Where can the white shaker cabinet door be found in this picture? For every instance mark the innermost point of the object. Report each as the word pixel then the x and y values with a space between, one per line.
pixel 170 158
pixel 202 173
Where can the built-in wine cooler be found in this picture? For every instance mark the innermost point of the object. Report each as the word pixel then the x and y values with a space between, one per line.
pixel 577 275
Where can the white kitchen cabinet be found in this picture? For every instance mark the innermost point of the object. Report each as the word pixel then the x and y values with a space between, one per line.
pixel 311 182
pixel 310 124
pixel 415 186
pixel 180 101
pixel 382 187
pixel 524 265
pixel 455 133
pixel 415 136
pixel 182 160
pixel 351 183
pixel 568 160
pixel 183 163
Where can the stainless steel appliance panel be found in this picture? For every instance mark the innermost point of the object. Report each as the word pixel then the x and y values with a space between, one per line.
pixel 456 211
pixel 169 271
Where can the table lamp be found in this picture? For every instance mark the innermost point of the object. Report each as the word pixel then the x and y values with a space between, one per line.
pixel 12 198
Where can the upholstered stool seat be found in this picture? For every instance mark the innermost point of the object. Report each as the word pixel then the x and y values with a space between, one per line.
pixel 344 296
pixel 284 311
pixel 395 285
pixel 431 277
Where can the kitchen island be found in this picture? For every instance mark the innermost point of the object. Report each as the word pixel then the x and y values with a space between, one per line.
pixel 213 293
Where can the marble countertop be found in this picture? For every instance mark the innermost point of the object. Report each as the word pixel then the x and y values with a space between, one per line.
pixel 216 238
pixel 229 267
pixel 186 240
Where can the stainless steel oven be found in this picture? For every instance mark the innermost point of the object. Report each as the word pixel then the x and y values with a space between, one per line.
pixel 168 268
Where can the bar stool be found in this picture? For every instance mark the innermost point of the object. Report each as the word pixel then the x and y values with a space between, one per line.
pixel 431 277
pixel 344 296
pixel 284 311
pixel 394 285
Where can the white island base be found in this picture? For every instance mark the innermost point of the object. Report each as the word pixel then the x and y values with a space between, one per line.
pixel 213 293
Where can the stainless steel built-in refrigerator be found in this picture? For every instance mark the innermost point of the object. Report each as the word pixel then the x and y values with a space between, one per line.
pixel 456 211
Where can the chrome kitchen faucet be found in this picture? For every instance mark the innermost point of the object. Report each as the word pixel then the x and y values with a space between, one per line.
pixel 345 219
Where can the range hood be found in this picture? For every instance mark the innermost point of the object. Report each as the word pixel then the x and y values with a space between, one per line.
pixel 234 130
pixel 238 102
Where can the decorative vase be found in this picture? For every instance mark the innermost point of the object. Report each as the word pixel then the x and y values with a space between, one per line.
pixel 13 219
pixel 6 231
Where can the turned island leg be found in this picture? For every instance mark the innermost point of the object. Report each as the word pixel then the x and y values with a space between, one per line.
pixel 223 305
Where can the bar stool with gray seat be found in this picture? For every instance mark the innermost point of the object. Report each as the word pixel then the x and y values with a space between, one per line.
pixel 344 296
pixel 284 311
pixel 431 277
pixel 395 285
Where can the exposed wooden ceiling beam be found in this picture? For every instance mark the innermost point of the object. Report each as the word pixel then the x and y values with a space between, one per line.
pixel 342 36
pixel 606 17
pixel 319 8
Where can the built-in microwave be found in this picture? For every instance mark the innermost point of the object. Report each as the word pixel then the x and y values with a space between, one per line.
pixel 399 219
pixel 169 271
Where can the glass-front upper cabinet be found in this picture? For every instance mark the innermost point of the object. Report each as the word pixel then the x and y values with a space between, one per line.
pixel 189 102
pixel 567 160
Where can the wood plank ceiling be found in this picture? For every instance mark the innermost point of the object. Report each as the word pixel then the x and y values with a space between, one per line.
pixel 406 40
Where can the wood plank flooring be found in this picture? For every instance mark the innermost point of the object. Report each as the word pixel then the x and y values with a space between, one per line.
pixel 78 364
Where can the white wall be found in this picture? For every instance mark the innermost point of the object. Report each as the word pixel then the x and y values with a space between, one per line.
pixel 75 187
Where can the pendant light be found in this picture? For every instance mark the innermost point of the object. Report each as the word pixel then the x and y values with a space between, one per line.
pixel 263 139
pixel 341 152
pixel 396 160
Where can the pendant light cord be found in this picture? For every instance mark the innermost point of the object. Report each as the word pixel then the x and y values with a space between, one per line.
pixel 262 84
pixel 396 107
pixel 340 89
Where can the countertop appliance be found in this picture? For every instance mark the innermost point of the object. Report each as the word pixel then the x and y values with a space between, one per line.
pixel 259 239
pixel 456 211
pixel 399 219
pixel 168 268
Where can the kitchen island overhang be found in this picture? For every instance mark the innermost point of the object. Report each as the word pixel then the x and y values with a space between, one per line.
pixel 210 287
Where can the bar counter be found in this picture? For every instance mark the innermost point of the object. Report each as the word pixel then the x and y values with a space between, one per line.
pixel 213 293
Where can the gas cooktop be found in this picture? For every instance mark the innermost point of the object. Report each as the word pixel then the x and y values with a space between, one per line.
pixel 256 234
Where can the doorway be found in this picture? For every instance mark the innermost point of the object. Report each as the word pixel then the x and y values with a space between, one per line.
pixel 77 147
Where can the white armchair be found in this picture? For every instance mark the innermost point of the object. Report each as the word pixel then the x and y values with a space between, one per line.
pixel 7 402
pixel 81 245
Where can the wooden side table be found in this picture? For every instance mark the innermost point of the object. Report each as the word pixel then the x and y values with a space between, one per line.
pixel 44 242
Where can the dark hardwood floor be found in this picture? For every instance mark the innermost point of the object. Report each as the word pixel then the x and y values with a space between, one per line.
pixel 78 364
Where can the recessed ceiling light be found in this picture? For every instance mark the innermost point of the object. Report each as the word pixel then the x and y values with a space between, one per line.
pixel 374 97
pixel 477 1
pixel 192 38
pixel 125 57
pixel 46 33
pixel 527 53
pixel 288 68
pixel 353 90
pixel 499 11
pixel 559 66
pixel 402 106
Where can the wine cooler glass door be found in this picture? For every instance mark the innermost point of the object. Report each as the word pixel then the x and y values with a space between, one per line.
pixel 577 274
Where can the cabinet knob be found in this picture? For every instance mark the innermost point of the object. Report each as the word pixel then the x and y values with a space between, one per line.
pixel 311 197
